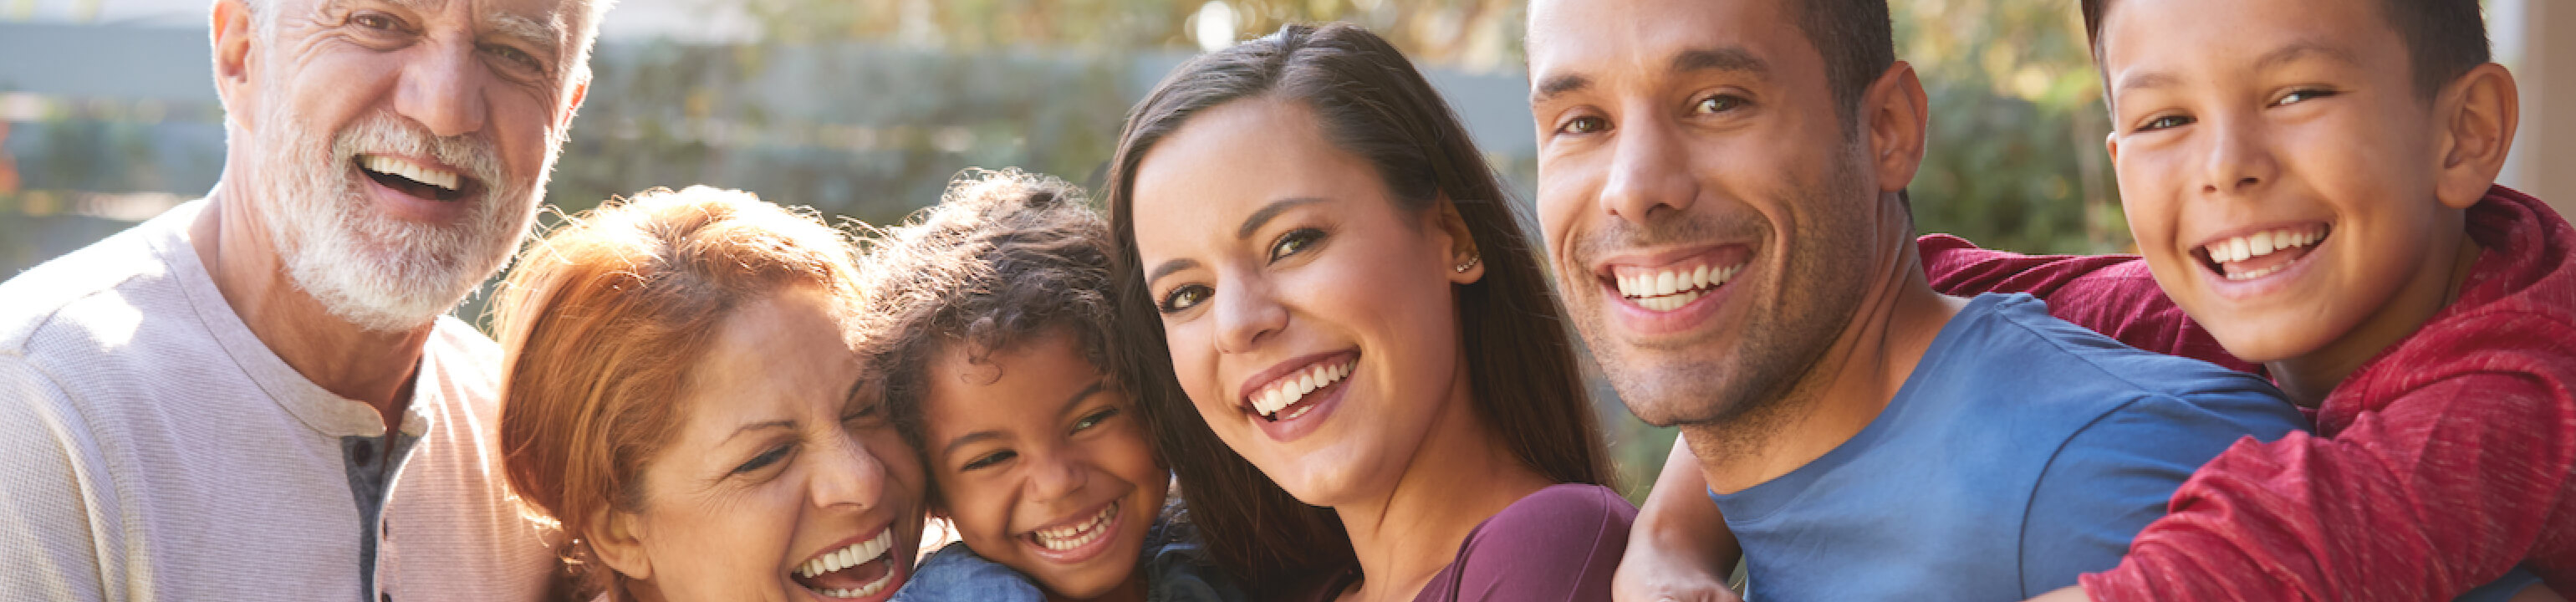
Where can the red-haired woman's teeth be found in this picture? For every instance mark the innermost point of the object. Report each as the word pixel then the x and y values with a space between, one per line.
pixel 1670 289
pixel 1287 391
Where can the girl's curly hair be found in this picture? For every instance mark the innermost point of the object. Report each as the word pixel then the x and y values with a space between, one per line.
pixel 1004 257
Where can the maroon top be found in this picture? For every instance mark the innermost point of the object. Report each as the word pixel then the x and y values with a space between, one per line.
pixel 2440 464
pixel 1560 543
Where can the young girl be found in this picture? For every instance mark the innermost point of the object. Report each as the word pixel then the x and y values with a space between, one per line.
pixel 988 314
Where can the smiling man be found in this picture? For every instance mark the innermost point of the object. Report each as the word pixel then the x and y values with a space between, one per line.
pixel 1721 184
pixel 257 395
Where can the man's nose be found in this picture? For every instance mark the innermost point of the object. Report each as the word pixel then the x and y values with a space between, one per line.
pixel 1649 173
pixel 442 89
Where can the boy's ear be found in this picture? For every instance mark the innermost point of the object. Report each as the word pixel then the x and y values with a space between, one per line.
pixel 1897 113
pixel 619 543
pixel 2476 114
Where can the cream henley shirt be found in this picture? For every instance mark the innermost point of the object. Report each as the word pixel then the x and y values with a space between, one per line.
pixel 151 448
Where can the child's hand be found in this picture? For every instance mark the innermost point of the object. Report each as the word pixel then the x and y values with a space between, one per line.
pixel 1679 548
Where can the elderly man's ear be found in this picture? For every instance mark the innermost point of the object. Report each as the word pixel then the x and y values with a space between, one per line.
pixel 233 69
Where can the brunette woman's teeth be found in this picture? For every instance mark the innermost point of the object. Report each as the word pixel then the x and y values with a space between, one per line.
pixel 1670 289
pixel 1289 390
pixel 1067 538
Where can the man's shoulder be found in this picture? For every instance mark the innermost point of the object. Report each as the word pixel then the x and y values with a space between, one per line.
pixel 96 287
pixel 2022 338
pixel 468 363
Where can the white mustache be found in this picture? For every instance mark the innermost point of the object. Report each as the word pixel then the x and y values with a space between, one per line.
pixel 473 155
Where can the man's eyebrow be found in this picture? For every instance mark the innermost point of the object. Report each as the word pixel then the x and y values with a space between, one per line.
pixel 1271 211
pixel 1731 59
pixel 2299 50
pixel 542 34
pixel 1556 86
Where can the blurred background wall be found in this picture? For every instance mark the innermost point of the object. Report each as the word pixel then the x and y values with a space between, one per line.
pixel 864 108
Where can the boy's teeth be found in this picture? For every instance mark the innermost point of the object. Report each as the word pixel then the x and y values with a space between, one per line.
pixel 1670 289
pixel 413 171
pixel 2261 243
pixel 1269 401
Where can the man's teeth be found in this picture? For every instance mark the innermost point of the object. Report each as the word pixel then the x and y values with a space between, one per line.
pixel 1067 538
pixel 856 554
pixel 414 171
pixel 2263 243
pixel 1671 289
pixel 1286 393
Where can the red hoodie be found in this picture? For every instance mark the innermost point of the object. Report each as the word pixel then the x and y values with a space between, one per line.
pixel 2440 464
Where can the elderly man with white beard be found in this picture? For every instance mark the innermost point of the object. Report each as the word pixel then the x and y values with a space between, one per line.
pixel 257 395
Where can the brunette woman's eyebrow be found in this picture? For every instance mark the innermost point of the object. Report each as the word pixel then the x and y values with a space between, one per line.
pixel 1271 211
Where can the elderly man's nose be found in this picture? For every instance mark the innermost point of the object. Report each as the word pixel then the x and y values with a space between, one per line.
pixel 443 90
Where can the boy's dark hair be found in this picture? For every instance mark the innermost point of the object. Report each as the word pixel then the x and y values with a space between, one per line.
pixel 2444 38
pixel 1857 42
pixel 1004 257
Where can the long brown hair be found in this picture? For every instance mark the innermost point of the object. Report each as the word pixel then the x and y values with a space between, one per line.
pixel 602 322
pixel 1370 102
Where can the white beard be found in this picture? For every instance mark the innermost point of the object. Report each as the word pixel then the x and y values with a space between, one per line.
pixel 372 270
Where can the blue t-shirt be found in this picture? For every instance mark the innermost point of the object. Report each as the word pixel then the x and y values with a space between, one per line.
pixel 2022 452
pixel 1176 570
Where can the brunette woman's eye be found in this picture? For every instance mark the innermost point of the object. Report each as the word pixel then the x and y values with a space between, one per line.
pixel 1294 241
pixel 1583 125
pixel 2302 95
pixel 1095 419
pixel 988 460
pixel 1183 298
pixel 2166 122
pixel 765 459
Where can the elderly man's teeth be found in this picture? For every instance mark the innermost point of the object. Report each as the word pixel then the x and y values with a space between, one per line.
pixel 1067 538
pixel 2263 243
pixel 854 555
pixel 1292 388
pixel 1669 290
pixel 416 172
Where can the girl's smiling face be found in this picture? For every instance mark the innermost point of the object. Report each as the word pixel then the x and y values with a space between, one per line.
pixel 782 481
pixel 1041 463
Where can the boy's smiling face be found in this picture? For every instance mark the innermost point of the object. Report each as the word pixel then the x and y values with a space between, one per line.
pixel 2279 167
pixel 1042 467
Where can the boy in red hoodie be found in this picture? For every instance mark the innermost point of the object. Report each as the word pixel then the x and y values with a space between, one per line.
pixel 2313 181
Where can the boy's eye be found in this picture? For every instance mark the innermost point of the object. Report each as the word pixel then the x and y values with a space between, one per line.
pixel 1583 125
pixel 1294 241
pixel 1095 419
pixel 2299 96
pixel 2165 122
pixel 1718 104
pixel 1183 298
pixel 988 460
pixel 764 459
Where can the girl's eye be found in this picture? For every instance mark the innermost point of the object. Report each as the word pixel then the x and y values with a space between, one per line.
pixel 764 459
pixel 1095 419
pixel 1583 125
pixel 1718 104
pixel 1183 298
pixel 2299 96
pixel 2165 122
pixel 1294 241
pixel 990 459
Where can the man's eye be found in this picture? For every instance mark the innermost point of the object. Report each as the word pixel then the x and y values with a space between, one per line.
pixel 2299 96
pixel 1583 125
pixel 1095 419
pixel 764 459
pixel 990 459
pixel 2165 122
pixel 1294 241
pixel 1718 104
pixel 1183 298
pixel 375 21
pixel 515 56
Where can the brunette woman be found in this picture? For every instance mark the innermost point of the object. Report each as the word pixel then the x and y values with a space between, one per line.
pixel 1364 385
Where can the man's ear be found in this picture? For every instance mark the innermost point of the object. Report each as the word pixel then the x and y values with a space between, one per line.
pixel 235 72
pixel 1898 116
pixel 619 542
pixel 580 92
pixel 1462 243
pixel 2477 113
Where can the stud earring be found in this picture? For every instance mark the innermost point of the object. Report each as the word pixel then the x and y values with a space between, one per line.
pixel 1469 264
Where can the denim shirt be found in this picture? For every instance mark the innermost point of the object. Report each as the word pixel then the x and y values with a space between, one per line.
pixel 1176 570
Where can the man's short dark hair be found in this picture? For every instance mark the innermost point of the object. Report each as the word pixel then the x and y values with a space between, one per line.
pixel 2444 38
pixel 1857 42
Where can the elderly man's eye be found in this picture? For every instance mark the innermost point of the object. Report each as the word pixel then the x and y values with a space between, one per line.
pixel 375 21
pixel 516 57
